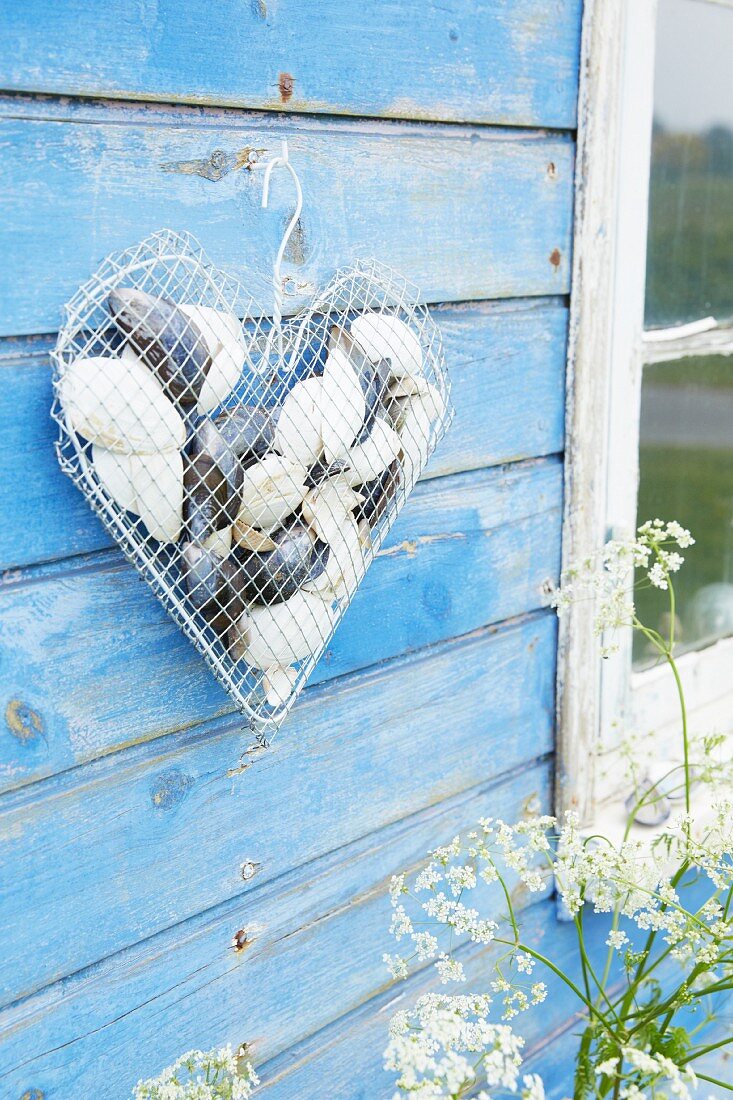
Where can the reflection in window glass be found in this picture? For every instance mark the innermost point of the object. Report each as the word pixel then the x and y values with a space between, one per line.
pixel 690 246
pixel 686 473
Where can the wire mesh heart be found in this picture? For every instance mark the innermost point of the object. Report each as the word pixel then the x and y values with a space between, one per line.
pixel 249 471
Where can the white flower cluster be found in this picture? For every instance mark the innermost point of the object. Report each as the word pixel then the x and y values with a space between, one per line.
pixel 430 1044
pixel 608 579
pixel 624 880
pixel 648 1071
pixel 203 1075
pixel 445 1046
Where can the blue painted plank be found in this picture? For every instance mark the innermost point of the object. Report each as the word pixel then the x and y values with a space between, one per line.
pixel 464 213
pixel 315 950
pixel 90 662
pixel 507 364
pixel 348 1054
pixel 490 62
pixel 117 851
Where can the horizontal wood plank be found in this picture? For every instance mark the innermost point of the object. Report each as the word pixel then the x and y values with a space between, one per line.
pixel 315 950
pixel 507 363
pixel 487 62
pixel 89 660
pixel 144 840
pixel 463 213
pixel 349 1053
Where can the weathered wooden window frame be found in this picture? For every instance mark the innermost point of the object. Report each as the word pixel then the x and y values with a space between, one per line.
pixel 607 350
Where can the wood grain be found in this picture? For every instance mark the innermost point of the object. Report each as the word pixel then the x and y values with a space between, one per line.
pixel 348 1054
pixel 89 660
pixel 315 950
pixel 79 180
pixel 510 63
pixel 113 853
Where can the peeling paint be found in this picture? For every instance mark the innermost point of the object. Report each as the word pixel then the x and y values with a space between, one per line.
pixel 410 546
pixel 218 164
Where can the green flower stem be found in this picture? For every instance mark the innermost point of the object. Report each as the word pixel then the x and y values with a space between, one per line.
pixel 713 1081
pixel 578 922
pixel 563 977
pixel 706 1050
pixel 512 917
pixel 588 968
pixel 685 739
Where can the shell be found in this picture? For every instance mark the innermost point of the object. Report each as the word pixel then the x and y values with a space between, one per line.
pixel 298 431
pixel 342 405
pixel 207 505
pixel 321 472
pixel 212 585
pixel 228 350
pixel 119 405
pixel 326 508
pixel 369 459
pixel 373 378
pixel 245 433
pixel 250 538
pixel 283 633
pixel 406 386
pixel 272 576
pixel 271 490
pixel 415 418
pixel 219 542
pixel 220 449
pixel 166 339
pixel 384 336
pixel 113 470
pixel 150 485
pixel 378 494
pixel 344 566
pixel 278 683
pixel 158 481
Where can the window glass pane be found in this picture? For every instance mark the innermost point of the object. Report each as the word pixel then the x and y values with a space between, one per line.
pixel 690 248
pixel 686 473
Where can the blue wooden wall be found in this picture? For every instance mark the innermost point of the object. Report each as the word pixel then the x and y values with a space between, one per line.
pixel 439 137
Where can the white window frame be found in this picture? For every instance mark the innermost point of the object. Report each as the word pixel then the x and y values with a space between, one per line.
pixel 600 701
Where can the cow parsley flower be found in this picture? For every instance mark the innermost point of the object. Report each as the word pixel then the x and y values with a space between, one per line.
pixel 401 924
pixel 533 1088
pixel 203 1075
pixel 448 1046
pixel 444 1046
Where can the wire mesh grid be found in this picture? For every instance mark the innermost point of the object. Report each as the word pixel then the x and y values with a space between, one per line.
pixel 249 470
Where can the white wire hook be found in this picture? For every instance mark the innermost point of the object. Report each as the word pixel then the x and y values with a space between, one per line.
pixel 282 161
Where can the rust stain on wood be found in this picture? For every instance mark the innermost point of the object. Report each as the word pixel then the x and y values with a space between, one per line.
pixel 286 83
pixel 23 722
pixel 555 258
pixel 218 164
pixel 240 940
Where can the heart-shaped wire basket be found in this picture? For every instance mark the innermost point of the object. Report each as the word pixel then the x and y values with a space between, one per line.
pixel 248 468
